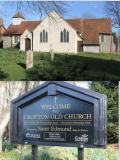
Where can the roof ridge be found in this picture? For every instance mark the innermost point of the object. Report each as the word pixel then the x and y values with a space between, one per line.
pixel 88 19
pixel 32 21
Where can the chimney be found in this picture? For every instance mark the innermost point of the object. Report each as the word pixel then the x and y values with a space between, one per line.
pixel 81 25
pixel 1 22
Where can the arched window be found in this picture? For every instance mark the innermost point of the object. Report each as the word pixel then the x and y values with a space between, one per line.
pixel 61 36
pixel 67 36
pixel 64 32
pixel 40 36
pixel 46 38
pixel 64 36
pixel 43 36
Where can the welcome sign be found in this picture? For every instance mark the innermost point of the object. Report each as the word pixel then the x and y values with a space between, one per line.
pixel 57 113
pixel 58 119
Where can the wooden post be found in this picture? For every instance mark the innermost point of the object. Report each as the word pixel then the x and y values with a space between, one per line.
pixel 34 152
pixel 80 153
pixel 52 55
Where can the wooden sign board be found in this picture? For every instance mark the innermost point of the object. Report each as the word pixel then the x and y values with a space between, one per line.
pixel 59 114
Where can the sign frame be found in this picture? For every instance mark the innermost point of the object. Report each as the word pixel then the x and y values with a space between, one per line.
pixel 52 88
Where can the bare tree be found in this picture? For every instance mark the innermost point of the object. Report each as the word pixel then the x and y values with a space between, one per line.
pixel 112 9
pixel 38 7
pixel 10 90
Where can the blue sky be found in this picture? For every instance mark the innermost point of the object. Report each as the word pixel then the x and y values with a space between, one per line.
pixel 75 9
pixel 78 9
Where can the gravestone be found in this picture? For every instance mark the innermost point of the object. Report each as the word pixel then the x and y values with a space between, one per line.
pixel 29 59
pixel 59 114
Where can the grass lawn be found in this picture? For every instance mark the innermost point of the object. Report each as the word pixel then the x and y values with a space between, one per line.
pixel 83 66
pixel 61 153
pixel 10 60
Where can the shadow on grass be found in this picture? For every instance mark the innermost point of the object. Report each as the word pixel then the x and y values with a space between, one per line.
pixel 3 75
pixel 43 156
pixel 75 67
pixel 96 68
pixel 23 65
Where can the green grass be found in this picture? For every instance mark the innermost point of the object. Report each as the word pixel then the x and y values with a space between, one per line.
pixel 61 153
pixel 9 64
pixel 82 66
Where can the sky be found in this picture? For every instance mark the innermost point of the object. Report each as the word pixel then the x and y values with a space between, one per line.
pixel 74 9
pixel 78 9
pixel 83 84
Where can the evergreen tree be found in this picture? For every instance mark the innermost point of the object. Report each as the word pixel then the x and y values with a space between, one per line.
pixel 110 89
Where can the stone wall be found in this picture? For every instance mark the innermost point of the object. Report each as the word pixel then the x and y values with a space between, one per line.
pixel 7 42
pixel 2 29
pixel 107 45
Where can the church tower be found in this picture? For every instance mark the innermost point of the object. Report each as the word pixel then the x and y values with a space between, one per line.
pixel 17 18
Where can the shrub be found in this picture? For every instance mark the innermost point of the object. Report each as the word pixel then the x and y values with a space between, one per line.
pixel 46 156
pixel 7 146
pixel 41 71
pixel 63 67
pixel 113 133
pixel 110 89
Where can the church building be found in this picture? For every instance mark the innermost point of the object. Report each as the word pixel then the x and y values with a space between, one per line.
pixel 59 34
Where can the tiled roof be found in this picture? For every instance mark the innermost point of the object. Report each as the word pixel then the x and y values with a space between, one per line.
pixel 19 29
pixel 18 15
pixel 91 28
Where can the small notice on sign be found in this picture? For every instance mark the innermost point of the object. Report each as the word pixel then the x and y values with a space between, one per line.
pixel 54 136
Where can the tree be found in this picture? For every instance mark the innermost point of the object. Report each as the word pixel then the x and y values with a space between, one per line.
pixel 110 89
pixel 9 91
pixel 38 7
pixel 112 9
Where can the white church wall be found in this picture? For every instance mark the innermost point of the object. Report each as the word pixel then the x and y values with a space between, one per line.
pixel 54 27
pixel 17 21
pixel 94 49
pixel 25 35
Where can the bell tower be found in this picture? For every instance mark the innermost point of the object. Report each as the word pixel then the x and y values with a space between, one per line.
pixel 18 18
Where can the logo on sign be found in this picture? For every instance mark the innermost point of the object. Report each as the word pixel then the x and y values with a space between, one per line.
pixel 28 135
pixel 83 138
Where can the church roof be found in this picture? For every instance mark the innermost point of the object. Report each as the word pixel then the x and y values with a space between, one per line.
pixel 19 29
pixel 90 29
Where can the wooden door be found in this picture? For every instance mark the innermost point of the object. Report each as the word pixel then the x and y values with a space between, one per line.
pixel 27 44
pixel 79 46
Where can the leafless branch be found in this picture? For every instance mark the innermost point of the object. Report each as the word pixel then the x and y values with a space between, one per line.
pixel 112 9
